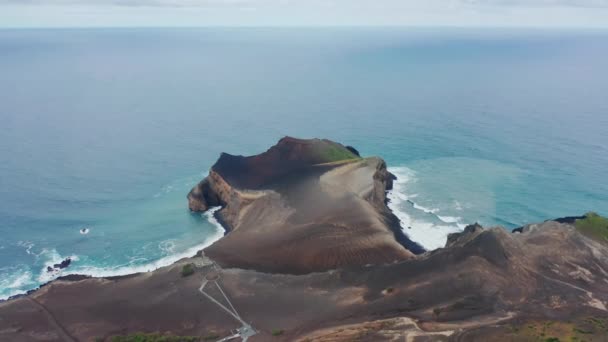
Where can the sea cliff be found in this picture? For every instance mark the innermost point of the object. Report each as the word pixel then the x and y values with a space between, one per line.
pixel 302 206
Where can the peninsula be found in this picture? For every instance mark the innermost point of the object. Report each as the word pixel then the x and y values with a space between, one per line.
pixel 313 253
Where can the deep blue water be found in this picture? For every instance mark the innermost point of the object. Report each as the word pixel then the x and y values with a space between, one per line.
pixel 109 129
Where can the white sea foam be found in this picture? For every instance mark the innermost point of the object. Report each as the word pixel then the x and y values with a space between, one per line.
pixel 19 281
pixel 426 210
pixel 27 245
pixel 164 190
pixel 427 234
pixel 457 205
pixel 167 247
pixel 52 257
pixel 12 283
pixel 132 267
pixel 449 219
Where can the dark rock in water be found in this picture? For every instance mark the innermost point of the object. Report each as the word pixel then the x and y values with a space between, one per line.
pixel 64 264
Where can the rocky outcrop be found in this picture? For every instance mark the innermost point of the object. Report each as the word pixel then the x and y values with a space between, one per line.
pixel 202 197
pixel 466 235
pixel 63 264
pixel 289 208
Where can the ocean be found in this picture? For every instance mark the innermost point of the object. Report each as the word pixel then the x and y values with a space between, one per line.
pixel 108 129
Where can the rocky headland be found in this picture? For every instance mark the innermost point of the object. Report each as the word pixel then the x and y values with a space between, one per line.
pixel 302 206
pixel 313 253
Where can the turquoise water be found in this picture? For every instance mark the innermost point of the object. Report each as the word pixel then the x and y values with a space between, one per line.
pixel 109 129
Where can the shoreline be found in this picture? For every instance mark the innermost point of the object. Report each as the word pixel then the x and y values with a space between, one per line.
pixel 122 272
pixel 213 217
pixel 424 233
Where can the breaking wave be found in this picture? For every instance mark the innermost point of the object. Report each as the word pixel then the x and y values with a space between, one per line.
pixel 423 225
pixel 18 280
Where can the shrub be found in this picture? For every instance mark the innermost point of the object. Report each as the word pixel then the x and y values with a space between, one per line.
pixel 211 337
pixel 187 270
pixel 593 225
pixel 277 332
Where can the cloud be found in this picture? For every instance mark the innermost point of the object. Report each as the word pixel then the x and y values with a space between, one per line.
pixel 543 13
pixel 325 3
pixel 538 3
pixel 132 3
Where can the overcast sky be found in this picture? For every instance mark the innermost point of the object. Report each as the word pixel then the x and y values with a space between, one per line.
pixel 67 13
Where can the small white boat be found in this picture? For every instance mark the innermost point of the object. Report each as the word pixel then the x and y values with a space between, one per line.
pixel 85 231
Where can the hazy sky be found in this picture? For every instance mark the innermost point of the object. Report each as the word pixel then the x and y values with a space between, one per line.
pixel 43 13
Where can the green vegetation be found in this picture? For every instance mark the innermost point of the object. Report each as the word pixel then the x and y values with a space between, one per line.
pixel 187 270
pixel 583 329
pixel 390 290
pixel 211 337
pixel 334 153
pixel 277 332
pixel 140 337
pixel 594 226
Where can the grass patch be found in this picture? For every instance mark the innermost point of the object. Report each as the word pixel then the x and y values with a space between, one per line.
pixel 277 332
pixel 582 331
pixel 594 226
pixel 139 337
pixel 187 270
pixel 211 337
pixel 333 153
pixel 556 331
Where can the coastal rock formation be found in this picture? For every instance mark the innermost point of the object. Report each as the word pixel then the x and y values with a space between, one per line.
pixel 313 254
pixel 463 237
pixel 64 264
pixel 302 206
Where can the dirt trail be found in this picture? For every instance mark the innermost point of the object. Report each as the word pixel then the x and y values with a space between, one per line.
pixel 62 332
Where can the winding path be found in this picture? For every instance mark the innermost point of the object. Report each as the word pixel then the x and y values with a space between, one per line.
pixel 243 332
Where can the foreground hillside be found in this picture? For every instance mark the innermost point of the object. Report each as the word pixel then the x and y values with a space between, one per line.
pixel 314 254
